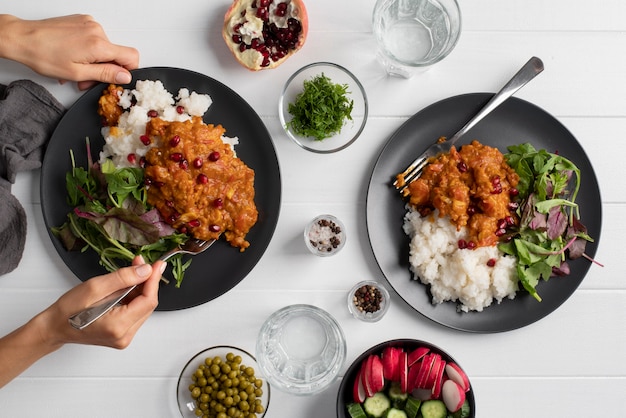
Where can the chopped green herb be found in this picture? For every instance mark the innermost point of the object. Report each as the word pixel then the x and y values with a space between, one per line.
pixel 321 109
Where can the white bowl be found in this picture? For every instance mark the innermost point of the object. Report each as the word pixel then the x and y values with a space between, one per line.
pixel 351 128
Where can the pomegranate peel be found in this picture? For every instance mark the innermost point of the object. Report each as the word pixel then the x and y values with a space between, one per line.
pixel 262 34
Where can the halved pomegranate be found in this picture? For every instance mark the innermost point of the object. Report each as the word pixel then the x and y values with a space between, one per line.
pixel 262 34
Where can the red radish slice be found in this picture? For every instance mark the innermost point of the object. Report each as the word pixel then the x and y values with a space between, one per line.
pixel 427 365
pixel 412 376
pixel 404 372
pixel 377 382
pixel 439 379
pixel 417 354
pixel 434 369
pixel 358 392
pixel 452 395
pixel 457 374
pixel 390 359
pixel 422 394
pixel 365 376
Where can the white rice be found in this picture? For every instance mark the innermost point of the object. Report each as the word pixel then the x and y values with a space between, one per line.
pixel 124 139
pixel 454 274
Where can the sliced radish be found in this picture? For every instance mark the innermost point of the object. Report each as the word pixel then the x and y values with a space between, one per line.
pixel 457 374
pixel 412 376
pixel 417 354
pixel 439 379
pixel 422 377
pixel 422 394
pixel 452 395
pixel 377 380
pixel 434 369
pixel 404 372
pixel 390 359
pixel 365 376
pixel 358 392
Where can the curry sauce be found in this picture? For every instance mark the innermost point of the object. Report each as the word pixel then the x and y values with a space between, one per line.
pixel 473 187
pixel 197 183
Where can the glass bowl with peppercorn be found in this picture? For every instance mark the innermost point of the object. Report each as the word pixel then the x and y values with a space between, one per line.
pixel 325 235
pixel 368 301
pixel 323 107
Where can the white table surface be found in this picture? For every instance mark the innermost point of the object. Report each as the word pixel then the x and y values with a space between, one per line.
pixel 570 363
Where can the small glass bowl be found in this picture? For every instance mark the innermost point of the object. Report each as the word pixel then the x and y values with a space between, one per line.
pixel 301 349
pixel 187 404
pixel 325 235
pixel 351 129
pixel 365 314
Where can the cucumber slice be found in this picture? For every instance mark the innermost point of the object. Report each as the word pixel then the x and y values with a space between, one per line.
pixel 355 410
pixel 396 413
pixel 412 407
pixel 377 405
pixel 433 409
pixel 397 397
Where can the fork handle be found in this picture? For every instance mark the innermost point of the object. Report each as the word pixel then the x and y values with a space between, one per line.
pixel 533 67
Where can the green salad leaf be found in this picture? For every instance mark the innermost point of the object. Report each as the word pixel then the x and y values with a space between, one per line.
pixel 110 216
pixel 321 109
pixel 550 231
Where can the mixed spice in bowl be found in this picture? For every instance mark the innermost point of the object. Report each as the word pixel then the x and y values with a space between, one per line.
pixel 325 235
pixel 368 301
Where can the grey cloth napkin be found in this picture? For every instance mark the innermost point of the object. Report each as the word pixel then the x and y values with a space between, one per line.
pixel 28 115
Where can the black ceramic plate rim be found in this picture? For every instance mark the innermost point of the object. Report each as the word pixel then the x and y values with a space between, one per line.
pixel 222 267
pixel 515 121
pixel 344 395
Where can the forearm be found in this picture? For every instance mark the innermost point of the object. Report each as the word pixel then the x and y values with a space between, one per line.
pixel 23 347
pixel 7 39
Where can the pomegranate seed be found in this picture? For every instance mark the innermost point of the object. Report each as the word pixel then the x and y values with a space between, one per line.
pixel 197 163
pixel 194 223
pixel 147 181
pixel 471 245
pixel 131 158
pixel 183 230
pixel 173 217
pixel 500 232
pixel 218 203
pixel 153 113
pixel 462 244
pixel 142 162
pixel 513 192
pixel 502 224
pixel 145 139
pixel 237 39
pixel 158 183
pixel 175 140
pixel 491 262
pixel 262 13
pixel 184 164
pixel 242 47
pixel 176 157
pixel 255 43
pixel 215 228
pixel 281 9
pixel 169 203
pixel 264 3
pixel 265 62
pixel 237 27
pixel 462 167
pixel 202 179
pixel 214 156
pixel 513 206
pixel 471 210
pixel 509 221
pixel 180 110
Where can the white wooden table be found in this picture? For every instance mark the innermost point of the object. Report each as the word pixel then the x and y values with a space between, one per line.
pixel 570 363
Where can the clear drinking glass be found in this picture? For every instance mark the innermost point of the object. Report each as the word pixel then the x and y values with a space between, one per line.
pixel 412 35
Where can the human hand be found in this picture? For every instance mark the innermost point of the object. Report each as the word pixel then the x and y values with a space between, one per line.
pixel 71 47
pixel 116 328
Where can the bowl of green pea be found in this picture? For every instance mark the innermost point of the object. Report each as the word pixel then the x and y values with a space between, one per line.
pixel 323 107
pixel 222 382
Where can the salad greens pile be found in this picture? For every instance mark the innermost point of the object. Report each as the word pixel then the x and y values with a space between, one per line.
pixel 550 230
pixel 320 110
pixel 112 217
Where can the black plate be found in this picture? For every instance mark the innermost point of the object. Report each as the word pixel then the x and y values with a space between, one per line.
pixel 345 397
pixel 515 121
pixel 221 267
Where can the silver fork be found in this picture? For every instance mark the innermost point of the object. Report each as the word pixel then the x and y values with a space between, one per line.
pixel 87 316
pixel 533 67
